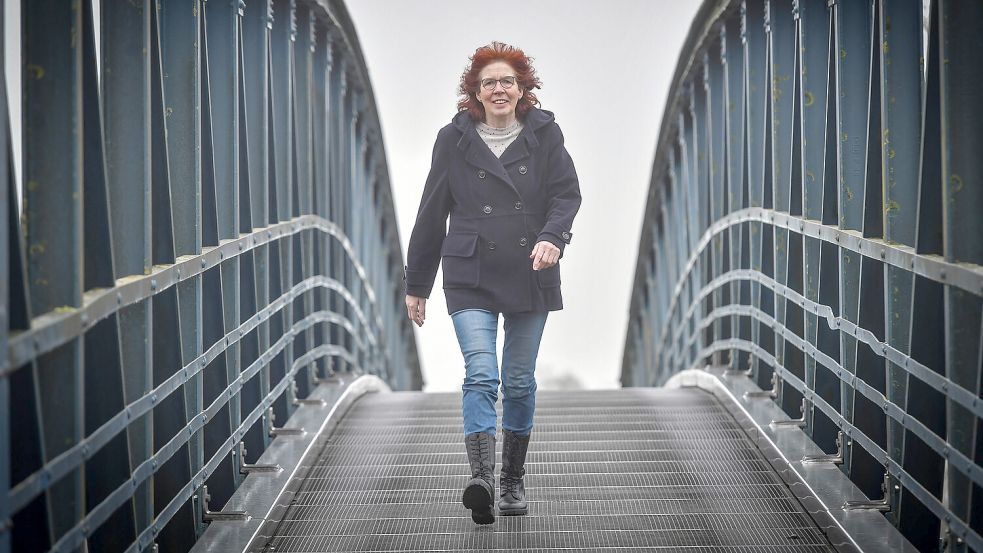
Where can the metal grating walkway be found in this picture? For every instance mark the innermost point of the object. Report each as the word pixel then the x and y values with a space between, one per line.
pixel 631 469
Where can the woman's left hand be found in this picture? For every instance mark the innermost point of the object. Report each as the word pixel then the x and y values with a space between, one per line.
pixel 544 255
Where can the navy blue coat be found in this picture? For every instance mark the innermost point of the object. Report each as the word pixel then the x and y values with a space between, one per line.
pixel 499 208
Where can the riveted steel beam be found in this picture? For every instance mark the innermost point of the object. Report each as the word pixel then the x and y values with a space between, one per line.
pixel 196 271
pixel 850 268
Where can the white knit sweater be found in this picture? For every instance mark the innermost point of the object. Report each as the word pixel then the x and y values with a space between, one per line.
pixel 498 139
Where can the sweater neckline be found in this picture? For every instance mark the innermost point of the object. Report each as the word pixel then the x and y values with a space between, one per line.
pixel 495 131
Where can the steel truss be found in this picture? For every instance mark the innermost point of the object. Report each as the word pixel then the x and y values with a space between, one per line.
pixel 203 231
pixel 814 222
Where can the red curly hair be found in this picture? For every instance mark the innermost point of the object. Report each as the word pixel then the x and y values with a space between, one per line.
pixel 525 74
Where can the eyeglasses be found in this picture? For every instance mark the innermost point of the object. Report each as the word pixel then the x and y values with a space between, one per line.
pixel 507 83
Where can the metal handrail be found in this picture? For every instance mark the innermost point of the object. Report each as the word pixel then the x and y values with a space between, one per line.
pixel 219 154
pixel 810 223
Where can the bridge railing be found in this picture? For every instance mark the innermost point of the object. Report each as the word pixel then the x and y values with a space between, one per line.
pixel 814 221
pixel 203 229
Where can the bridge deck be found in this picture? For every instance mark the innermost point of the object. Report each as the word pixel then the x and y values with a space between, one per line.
pixel 631 469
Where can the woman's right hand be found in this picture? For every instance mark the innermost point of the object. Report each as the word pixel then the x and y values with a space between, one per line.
pixel 416 309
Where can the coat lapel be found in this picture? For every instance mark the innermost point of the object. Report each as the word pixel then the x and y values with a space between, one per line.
pixel 516 150
pixel 480 156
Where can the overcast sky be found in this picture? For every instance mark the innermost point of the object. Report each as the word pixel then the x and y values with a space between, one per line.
pixel 606 68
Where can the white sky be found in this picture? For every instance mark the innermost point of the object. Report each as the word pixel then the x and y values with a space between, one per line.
pixel 606 68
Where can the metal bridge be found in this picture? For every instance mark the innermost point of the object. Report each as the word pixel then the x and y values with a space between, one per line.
pixel 204 348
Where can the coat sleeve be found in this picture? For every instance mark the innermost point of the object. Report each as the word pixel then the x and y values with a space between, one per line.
pixel 563 195
pixel 427 237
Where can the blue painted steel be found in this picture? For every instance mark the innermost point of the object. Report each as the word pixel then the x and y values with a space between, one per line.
pixel 207 266
pixel 7 217
pixel 852 280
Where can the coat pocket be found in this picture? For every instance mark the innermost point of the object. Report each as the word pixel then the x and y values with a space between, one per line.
pixel 549 278
pixel 457 255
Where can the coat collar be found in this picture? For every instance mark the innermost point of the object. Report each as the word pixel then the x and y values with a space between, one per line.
pixel 534 120
pixel 483 158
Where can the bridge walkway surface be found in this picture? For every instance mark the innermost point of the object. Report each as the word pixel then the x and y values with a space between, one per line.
pixel 613 470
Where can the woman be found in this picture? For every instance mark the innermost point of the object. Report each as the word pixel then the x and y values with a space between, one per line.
pixel 501 172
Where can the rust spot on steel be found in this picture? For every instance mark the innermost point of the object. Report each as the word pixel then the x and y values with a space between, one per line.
pixel 957 184
pixel 35 71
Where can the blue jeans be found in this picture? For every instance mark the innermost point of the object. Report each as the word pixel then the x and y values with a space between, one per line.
pixel 476 332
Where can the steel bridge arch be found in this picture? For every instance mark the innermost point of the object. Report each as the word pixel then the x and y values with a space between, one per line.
pixel 813 222
pixel 203 232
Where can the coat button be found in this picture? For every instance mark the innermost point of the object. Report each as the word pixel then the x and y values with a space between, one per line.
pixel 487 209
pixel 522 241
pixel 492 245
pixel 523 170
pixel 481 174
pixel 518 205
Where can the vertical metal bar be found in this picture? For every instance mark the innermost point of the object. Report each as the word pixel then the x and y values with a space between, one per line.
pixel 256 28
pixel 221 30
pixel 6 209
pixel 126 97
pixel 755 87
pixel 303 130
pixel 669 244
pixel 223 71
pixel 177 163
pixel 795 313
pixel 303 49
pixel 256 25
pixel 180 60
pixel 824 430
pixel 347 189
pixel 960 80
pixel 732 57
pixel 781 41
pixel 101 359
pixel 215 375
pixel 788 190
pixel 322 166
pixel 765 261
pixel 335 137
pixel 900 138
pixel 869 417
pixel 697 198
pixel 281 67
pixel 359 222
pixel 852 39
pixel 718 198
pixel 53 168
pixel 780 34
pixel 927 319
pixel 813 29
pixel 678 202
pixel 249 396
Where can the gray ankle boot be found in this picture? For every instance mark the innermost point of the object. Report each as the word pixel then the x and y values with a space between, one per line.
pixel 513 501
pixel 479 494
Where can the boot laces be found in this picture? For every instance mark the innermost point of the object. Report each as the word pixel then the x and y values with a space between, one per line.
pixel 510 484
pixel 479 449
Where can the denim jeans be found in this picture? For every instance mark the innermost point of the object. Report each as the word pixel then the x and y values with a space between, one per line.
pixel 476 331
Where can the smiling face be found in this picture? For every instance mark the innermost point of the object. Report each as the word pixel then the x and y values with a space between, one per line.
pixel 499 102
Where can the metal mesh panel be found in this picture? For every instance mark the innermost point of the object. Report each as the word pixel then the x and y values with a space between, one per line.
pixel 614 470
